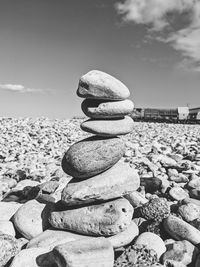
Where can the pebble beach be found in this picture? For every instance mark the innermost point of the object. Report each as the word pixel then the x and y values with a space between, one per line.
pixel 99 192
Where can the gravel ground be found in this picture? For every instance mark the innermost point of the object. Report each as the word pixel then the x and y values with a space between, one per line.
pixel 33 148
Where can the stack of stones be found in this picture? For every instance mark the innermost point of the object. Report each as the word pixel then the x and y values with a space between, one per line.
pixel 92 204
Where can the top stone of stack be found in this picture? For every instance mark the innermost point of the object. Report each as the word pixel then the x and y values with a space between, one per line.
pixel 100 85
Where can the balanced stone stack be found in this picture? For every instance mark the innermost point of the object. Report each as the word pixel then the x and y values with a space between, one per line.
pixel 93 203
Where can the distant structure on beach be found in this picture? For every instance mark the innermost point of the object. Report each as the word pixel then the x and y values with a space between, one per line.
pixel 179 114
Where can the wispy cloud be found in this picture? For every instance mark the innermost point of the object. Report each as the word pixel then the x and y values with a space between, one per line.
pixel 21 89
pixel 158 16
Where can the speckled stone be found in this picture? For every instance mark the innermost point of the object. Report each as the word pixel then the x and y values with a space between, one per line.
pixel 109 127
pixel 8 248
pixel 92 156
pixel 98 220
pixel 100 85
pixel 119 180
pixel 178 193
pixel 101 109
pixel 88 252
pixel 181 230
pixel 189 212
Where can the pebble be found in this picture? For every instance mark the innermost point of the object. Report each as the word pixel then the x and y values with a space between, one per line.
pixel 125 237
pixel 88 252
pixel 100 85
pixel 53 237
pixel 103 219
pixel 8 248
pixel 8 209
pixel 105 186
pixel 181 230
pixel 34 257
pixel 178 193
pixel 151 184
pixel 189 212
pixel 195 193
pixel 151 241
pixel 181 251
pixel 109 127
pixel 31 218
pixel 136 199
pixel 99 109
pixel 136 255
pixel 7 227
pixel 92 156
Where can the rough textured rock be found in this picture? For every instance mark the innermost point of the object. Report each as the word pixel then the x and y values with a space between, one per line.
pixel 92 156
pixel 181 251
pixel 34 257
pixel 109 127
pixel 8 209
pixel 156 209
pixel 151 241
pixel 181 230
pixel 98 109
pixel 8 248
pixel 53 237
pixel 104 219
pixel 7 227
pixel 137 256
pixel 125 237
pixel 115 182
pixel 31 219
pixel 88 252
pixel 100 85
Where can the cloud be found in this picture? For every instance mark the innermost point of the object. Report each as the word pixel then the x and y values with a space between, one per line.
pixel 162 17
pixel 21 89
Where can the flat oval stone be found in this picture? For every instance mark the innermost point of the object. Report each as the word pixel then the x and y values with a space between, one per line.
pixel 98 109
pixel 100 85
pixel 181 230
pixel 151 241
pixel 31 219
pixel 53 237
pixel 104 219
pixel 117 181
pixel 88 252
pixel 92 156
pixel 108 127
pixel 124 238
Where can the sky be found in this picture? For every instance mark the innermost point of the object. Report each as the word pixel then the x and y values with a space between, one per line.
pixel 152 46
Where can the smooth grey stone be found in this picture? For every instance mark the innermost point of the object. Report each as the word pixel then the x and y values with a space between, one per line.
pixel 100 85
pixel 108 127
pixel 181 230
pixel 101 109
pixel 92 156
pixel 117 181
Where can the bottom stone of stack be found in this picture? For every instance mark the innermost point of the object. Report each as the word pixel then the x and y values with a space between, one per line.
pixel 104 219
pixel 88 252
